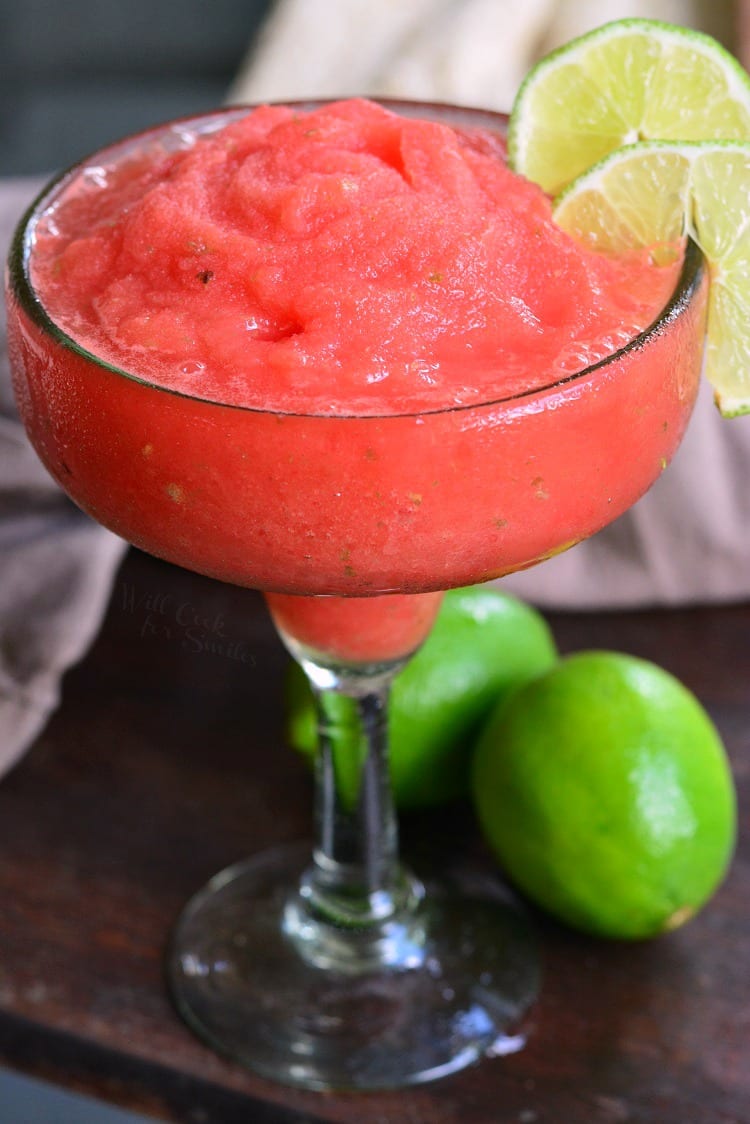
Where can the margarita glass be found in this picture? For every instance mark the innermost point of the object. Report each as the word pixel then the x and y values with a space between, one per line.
pixel 340 970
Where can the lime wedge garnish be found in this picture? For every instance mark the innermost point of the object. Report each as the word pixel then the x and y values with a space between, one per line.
pixel 626 81
pixel 651 194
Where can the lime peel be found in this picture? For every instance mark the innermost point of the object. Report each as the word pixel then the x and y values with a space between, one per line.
pixel 604 790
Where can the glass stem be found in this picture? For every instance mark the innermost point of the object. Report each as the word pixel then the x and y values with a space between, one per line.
pixel 355 877
pixel 356 909
pixel 356 906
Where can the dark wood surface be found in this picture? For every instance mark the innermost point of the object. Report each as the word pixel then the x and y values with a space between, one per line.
pixel 166 762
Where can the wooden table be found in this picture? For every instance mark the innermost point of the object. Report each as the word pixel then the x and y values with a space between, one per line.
pixel 166 761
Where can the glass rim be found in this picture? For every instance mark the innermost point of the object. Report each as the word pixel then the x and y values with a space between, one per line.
pixel 688 281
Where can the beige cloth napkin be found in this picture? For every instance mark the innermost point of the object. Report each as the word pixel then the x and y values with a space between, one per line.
pixel 56 566
pixel 687 541
pixel 473 52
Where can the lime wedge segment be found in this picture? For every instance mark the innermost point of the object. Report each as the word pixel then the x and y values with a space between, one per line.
pixel 637 197
pixel 630 80
pixel 653 193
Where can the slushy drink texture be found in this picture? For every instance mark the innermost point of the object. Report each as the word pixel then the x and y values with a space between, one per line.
pixel 342 261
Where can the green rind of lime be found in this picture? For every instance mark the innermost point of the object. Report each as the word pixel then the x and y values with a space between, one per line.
pixel 604 790
pixel 483 645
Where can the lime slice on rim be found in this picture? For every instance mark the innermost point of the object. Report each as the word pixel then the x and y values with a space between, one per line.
pixel 630 80
pixel 651 194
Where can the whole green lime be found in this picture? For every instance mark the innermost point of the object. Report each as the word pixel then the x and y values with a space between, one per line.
pixel 604 790
pixel 483 645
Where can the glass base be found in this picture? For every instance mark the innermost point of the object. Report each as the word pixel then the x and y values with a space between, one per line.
pixel 250 969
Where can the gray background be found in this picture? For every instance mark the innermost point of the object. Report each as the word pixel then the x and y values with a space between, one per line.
pixel 77 74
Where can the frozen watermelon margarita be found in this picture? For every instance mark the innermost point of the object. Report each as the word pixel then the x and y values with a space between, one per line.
pixel 359 357
pixel 342 350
